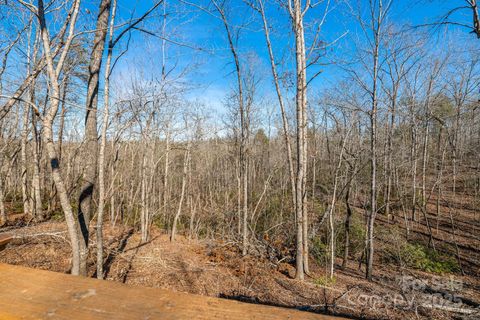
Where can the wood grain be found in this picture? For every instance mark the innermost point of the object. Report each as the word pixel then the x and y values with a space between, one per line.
pixel 36 294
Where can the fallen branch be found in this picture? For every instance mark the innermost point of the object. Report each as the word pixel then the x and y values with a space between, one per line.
pixel 451 309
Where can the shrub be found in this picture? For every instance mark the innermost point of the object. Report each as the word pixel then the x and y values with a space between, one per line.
pixel 415 255
pixel 357 237
pixel 319 250
pixel 325 281
pixel 57 215
pixel 319 247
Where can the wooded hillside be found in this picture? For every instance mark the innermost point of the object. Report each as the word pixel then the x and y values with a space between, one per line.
pixel 325 139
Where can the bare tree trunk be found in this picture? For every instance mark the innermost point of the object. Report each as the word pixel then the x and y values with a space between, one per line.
pixel 239 199
pixel 36 184
pixel 373 190
pixel 24 174
pixel 413 156
pixel 285 126
pixel 424 161
pixel 476 17
pixel 28 206
pixel 373 146
pixel 243 160
pixel 186 160
pixel 193 210
pixel 144 223
pixel 389 165
pixel 103 143
pixel 3 214
pixel 346 248
pixel 331 219
pixel 62 118
pixel 306 267
pixel 91 147
pixel 297 13
pixel 77 245
pixel 166 172
pixel 350 176
pixel 439 168
pixel 245 201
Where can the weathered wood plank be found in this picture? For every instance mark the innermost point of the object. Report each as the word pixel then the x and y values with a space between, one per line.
pixel 5 238
pixel 36 294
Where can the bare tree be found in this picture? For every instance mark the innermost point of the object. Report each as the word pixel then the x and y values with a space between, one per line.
pixel 243 160
pixel 103 143
pixel 297 12
pixel 90 149
pixel 50 113
pixel 186 162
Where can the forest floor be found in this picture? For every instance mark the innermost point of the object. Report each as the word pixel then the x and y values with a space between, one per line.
pixel 214 268
pixel 217 269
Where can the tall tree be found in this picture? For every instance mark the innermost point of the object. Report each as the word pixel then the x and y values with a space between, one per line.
pixel 90 150
pixel 297 11
pixel 48 119
pixel 244 126
pixel 103 143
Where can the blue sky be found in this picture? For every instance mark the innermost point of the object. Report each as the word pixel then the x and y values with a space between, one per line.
pixel 213 72
pixel 206 54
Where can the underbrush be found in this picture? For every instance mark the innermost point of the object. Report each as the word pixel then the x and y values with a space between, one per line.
pixel 392 247
pixel 319 247
pixel 421 257
pixel 325 281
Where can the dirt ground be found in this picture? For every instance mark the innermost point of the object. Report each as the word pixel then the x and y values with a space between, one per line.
pixel 213 268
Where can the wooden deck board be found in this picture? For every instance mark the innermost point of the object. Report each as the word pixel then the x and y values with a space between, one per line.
pixel 36 294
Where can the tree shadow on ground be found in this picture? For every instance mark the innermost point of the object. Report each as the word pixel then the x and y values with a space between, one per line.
pixel 319 309
pixel 120 248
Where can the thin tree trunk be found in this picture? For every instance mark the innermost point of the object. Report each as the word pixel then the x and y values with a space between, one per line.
pixel 103 143
pixel 414 172
pixel 24 174
pixel 243 128
pixel 3 214
pixel 373 155
pixel 297 13
pixel 144 223
pixel 90 155
pixel 285 126
pixel 346 248
pixel 193 210
pixel 186 161
pixel 239 199
pixel 36 183
pixel 166 172
pixel 424 162
pixel 391 128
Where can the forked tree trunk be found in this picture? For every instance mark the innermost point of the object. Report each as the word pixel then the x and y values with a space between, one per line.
pixel 72 225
